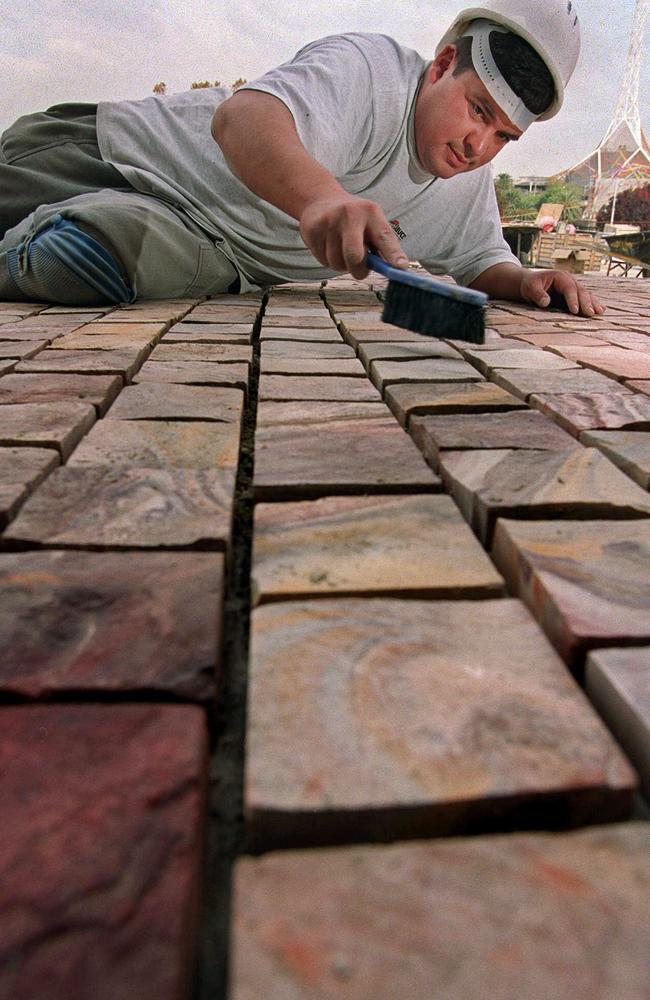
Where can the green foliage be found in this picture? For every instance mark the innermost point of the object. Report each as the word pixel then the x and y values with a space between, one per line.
pixel 568 195
pixel 160 88
pixel 513 203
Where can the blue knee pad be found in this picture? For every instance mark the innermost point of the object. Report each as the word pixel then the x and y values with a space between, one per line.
pixel 61 263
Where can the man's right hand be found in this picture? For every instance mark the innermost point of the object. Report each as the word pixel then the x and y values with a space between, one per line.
pixel 339 230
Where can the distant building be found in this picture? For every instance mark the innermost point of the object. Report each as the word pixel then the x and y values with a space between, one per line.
pixel 531 185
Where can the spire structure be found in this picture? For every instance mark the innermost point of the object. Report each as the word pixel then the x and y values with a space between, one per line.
pixel 622 159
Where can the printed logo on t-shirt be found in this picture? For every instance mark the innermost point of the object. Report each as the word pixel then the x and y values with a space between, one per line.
pixel 397 229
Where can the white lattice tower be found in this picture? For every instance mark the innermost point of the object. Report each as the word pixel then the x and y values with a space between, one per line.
pixel 627 108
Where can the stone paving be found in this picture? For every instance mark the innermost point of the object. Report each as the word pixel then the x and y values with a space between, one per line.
pixel 324 651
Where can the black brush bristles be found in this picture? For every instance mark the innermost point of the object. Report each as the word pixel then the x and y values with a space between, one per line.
pixel 432 315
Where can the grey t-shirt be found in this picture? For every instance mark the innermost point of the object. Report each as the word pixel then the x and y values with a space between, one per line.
pixel 352 99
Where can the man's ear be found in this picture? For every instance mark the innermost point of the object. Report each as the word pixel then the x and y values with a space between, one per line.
pixel 444 62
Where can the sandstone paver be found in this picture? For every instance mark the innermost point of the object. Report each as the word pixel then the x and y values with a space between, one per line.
pixel 629 450
pixel 302 349
pixel 640 385
pixel 577 483
pixel 355 456
pixel 387 335
pixel 588 582
pixel 383 719
pixel 385 373
pixel 159 444
pixel 459 431
pixel 410 398
pixel 194 373
pixel 168 401
pixel 125 362
pixel 501 918
pixel 292 388
pixel 617 362
pixel 21 471
pixel 271 335
pixel 98 390
pixel 120 623
pixel 345 367
pixel 406 352
pixel 101 857
pixel 618 683
pixel 579 411
pixel 211 312
pixel 536 361
pixel 559 338
pixel 287 318
pixel 209 333
pixel 270 413
pixel 58 425
pixel 417 546
pixel 223 353
pixel 525 383
pixel 104 507
pixel 20 348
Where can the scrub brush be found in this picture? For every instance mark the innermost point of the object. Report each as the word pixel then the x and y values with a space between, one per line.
pixel 433 308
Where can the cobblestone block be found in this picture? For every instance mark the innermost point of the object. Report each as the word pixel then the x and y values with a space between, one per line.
pixel 21 471
pixel 160 444
pixel 49 425
pixel 537 916
pixel 559 338
pixel 319 336
pixel 21 308
pixel 167 401
pixel 479 430
pixel 118 623
pixel 640 386
pixel 211 312
pixel 20 348
pixel 345 367
pixel 124 362
pixel 579 411
pixel 356 456
pixel 387 335
pixel 410 398
pixel 101 859
pixel 292 388
pixel 406 351
pixel 300 349
pixel 194 373
pixel 103 507
pixel 7 366
pixel 587 582
pixel 286 318
pixel 151 311
pixel 530 360
pixel 577 483
pixel 222 353
pixel 385 373
pixel 46 326
pixel 525 383
pixel 109 342
pixel 629 450
pixel 270 413
pixel 617 362
pixel 140 330
pixel 383 719
pixel 618 683
pixel 416 546
pixel 209 333
pixel 97 390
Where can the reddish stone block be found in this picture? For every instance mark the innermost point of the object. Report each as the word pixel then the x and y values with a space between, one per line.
pixel 501 918
pixel 385 373
pixel 209 333
pixel 576 483
pixel 20 348
pixel 629 450
pixel 616 362
pixel 223 353
pixel 60 426
pixel 123 362
pixel 588 582
pixel 214 312
pixel 165 401
pixel 297 335
pixel 194 373
pixel 159 444
pixel 291 388
pixel 122 508
pixel 356 456
pixel 270 413
pixel 579 411
pixel 524 359
pixel 101 856
pixel 21 471
pixel 406 351
pixel 295 349
pixel 111 623
pixel 480 430
pixel 410 398
pixel 525 383
pixel 387 719
pixel 98 390
pixel 640 386
pixel 328 367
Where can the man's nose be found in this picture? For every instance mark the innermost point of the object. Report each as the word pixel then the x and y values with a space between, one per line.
pixel 477 142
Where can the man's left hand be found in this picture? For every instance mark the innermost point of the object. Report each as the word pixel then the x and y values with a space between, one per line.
pixel 538 286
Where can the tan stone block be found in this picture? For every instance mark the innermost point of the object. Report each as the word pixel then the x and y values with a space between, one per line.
pixel 168 401
pixel 411 398
pixel 588 582
pixel 463 431
pixel 429 348
pixel 159 444
pixel 524 383
pixel 617 362
pixel 124 362
pixel 52 425
pixel 99 390
pixel 194 373
pixel 20 348
pixel 385 373
pixel 221 353
pixel 291 388
pixel 296 334
pixel 346 367
pixel 629 450
pixel 416 546
pixel 271 413
pixel 21 471
pixel 209 333
pixel 301 349
pixel 386 719
pixel 578 411
pixel 532 360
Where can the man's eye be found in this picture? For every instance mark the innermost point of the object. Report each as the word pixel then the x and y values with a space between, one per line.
pixel 504 137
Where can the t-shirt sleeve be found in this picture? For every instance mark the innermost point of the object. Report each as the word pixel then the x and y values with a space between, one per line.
pixel 327 87
pixel 474 236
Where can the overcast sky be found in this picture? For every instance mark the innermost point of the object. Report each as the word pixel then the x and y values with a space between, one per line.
pixel 91 50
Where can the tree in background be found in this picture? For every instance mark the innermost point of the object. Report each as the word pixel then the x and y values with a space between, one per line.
pixel 200 84
pixel 570 196
pixel 160 88
pixel 631 206
pixel 513 203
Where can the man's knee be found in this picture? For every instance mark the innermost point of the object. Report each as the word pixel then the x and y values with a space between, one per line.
pixel 61 263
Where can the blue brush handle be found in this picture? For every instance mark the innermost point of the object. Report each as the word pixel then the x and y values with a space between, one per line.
pixel 458 292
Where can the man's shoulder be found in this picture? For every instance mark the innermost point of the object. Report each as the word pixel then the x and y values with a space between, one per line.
pixel 373 45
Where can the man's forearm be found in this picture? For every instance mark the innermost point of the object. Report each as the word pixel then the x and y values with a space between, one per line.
pixel 501 281
pixel 259 140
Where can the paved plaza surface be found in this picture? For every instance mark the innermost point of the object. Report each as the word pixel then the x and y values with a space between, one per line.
pixel 324 651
